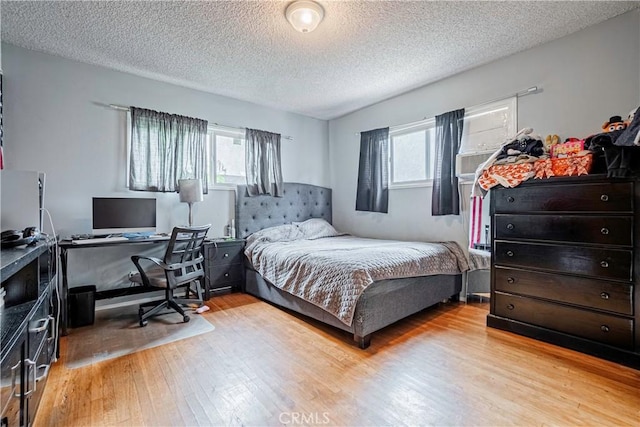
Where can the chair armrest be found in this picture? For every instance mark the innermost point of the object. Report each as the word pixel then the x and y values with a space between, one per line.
pixel 136 261
pixel 158 261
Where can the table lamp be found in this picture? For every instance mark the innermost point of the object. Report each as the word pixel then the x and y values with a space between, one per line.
pixel 190 192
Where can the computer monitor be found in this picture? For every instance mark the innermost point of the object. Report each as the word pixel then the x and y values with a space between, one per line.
pixel 123 215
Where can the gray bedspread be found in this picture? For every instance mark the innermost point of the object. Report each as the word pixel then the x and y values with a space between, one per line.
pixel 479 260
pixel 332 272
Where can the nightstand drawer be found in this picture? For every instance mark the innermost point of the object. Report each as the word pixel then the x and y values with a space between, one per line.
pixel 601 197
pixel 225 254
pixel 220 273
pixel 606 230
pixel 614 264
pixel 590 293
pixel 604 328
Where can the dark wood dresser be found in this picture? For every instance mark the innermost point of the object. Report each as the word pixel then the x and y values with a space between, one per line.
pixel 565 264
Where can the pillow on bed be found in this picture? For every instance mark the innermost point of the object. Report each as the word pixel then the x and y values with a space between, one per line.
pixel 279 233
pixel 316 228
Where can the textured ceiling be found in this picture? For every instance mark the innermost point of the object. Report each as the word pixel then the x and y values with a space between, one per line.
pixel 363 52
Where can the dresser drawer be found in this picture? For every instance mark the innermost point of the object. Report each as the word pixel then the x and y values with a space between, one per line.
pixel 606 230
pixel 599 197
pixel 603 263
pixel 598 294
pixel 604 328
pixel 225 254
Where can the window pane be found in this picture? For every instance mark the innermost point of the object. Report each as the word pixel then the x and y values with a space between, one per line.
pixel 409 157
pixel 487 126
pixel 431 150
pixel 230 164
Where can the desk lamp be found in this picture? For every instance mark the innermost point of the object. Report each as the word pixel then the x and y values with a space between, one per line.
pixel 190 192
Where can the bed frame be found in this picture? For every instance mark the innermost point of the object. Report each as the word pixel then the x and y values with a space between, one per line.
pixel 381 304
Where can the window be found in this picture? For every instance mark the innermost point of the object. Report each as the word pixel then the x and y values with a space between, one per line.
pixel 411 154
pixel 228 156
pixel 412 151
pixel 487 126
pixel 164 148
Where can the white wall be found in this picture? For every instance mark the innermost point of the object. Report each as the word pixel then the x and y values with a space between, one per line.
pixel 57 121
pixel 586 77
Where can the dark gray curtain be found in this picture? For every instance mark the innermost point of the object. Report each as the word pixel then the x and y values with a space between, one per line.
pixel 373 172
pixel 444 197
pixel 262 156
pixel 165 148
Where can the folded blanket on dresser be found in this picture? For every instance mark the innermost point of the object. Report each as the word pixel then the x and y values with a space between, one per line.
pixel 331 270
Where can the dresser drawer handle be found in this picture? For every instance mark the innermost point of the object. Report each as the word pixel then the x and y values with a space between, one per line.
pixel 226 274
pixel 511 280
pixel 226 255
pixel 510 199
pixel 604 198
pixel 604 264
pixel 510 226
pixel 604 295
pixel 509 253
pixel 510 306
pixel 604 328
pixel 604 231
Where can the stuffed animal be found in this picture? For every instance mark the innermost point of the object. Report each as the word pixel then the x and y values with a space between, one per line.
pixel 614 123
pixel 550 141
pixel 629 118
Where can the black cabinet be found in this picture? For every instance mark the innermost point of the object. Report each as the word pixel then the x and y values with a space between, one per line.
pixel 223 266
pixel 29 333
pixel 565 264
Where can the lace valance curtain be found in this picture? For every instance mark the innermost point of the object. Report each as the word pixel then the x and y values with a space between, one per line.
pixel 165 148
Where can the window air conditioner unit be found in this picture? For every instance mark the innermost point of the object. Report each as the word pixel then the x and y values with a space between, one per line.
pixel 467 163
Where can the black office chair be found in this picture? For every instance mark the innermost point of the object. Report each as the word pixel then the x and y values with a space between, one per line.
pixel 183 265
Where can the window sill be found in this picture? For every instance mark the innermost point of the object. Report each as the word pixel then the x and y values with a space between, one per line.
pixel 223 187
pixel 422 184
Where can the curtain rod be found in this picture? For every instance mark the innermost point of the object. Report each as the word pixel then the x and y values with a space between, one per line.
pixel 123 108
pixel 529 91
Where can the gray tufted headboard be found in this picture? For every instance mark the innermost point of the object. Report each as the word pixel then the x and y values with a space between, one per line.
pixel 298 203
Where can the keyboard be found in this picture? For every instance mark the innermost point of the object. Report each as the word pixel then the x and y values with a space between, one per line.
pixel 99 240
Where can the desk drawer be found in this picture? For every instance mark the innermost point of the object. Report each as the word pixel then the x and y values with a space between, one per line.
pixel 601 197
pixel 603 263
pixel 589 293
pixel 606 230
pixel 604 328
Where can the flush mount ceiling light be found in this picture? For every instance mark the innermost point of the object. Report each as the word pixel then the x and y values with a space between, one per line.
pixel 304 15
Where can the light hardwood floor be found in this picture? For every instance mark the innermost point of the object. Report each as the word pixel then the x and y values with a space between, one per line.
pixel 264 366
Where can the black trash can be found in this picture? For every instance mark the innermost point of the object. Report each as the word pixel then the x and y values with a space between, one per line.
pixel 82 306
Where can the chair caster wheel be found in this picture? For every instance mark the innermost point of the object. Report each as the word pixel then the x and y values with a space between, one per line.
pixel 143 323
pixel 185 318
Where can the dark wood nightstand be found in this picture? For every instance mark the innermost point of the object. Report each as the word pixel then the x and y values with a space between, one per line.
pixel 223 266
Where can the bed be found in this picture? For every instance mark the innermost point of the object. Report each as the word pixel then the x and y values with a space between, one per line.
pixel 380 304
